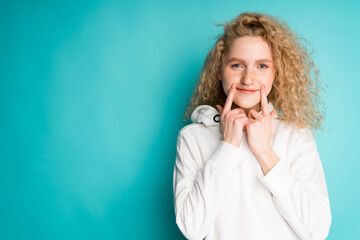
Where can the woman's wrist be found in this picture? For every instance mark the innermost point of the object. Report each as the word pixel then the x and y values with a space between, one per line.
pixel 235 143
pixel 267 160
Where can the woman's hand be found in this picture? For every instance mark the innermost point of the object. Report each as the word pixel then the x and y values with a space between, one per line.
pixel 260 128
pixel 232 121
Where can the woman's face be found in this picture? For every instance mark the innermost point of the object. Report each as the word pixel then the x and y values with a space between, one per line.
pixel 248 64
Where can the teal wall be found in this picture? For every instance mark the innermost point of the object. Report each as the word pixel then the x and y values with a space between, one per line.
pixel 91 99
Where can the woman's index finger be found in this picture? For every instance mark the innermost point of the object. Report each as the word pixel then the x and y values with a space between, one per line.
pixel 229 99
pixel 264 102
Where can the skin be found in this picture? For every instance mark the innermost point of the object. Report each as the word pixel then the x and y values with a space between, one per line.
pixel 245 118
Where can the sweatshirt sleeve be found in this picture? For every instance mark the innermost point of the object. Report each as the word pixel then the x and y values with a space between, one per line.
pixel 300 192
pixel 200 189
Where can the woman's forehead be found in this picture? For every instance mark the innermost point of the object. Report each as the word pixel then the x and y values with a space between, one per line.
pixel 249 49
pixel 249 45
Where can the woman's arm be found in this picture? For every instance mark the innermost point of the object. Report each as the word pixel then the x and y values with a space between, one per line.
pixel 300 192
pixel 201 189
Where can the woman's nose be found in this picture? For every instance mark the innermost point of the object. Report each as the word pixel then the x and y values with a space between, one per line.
pixel 247 78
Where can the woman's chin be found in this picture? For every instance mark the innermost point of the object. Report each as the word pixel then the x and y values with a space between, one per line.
pixel 246 105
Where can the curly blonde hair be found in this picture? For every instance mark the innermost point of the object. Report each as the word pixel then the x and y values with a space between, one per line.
pixel 296 85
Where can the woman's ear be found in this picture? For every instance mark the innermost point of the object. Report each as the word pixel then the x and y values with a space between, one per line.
pixel 219 76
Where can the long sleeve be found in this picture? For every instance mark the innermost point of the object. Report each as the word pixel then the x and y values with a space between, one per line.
pixel 201 185
pixel 299 190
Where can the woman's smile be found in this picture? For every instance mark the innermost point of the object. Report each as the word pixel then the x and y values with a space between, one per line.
pixel 247 91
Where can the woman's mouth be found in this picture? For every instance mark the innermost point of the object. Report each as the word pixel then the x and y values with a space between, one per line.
pixel 247 91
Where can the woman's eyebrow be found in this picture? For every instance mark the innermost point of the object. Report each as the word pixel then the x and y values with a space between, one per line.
pixel 242 60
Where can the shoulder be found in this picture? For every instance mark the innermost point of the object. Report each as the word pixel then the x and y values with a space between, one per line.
pixel 190 128
pixel 290 138
pixel 293 140
pixel 292 130
pixel 198 131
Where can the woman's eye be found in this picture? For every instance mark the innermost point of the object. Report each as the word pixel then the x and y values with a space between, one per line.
pixel 263 65
pixel 236 65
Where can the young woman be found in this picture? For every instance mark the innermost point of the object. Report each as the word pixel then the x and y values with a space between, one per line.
pixel 248 166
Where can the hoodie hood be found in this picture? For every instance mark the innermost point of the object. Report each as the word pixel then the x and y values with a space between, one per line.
pixel 210 116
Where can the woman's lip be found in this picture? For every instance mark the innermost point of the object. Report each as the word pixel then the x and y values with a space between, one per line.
pixel 247 91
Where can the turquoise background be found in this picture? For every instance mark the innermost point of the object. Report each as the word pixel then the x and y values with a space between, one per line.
pixel 92 96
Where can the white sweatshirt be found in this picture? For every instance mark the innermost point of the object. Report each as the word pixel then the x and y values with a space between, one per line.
pixel 220 191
